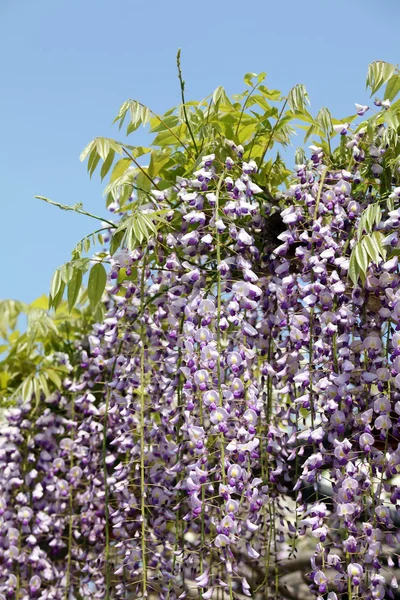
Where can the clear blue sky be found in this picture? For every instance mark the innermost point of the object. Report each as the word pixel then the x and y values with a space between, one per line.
pixel 67 65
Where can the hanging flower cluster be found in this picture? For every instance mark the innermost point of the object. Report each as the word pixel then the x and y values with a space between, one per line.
pixel 240 398
pixel 335 364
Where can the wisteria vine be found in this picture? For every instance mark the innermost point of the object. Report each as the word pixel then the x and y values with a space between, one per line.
pixel 236 415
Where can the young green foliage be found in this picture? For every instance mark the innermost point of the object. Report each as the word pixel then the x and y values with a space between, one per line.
pixel 258 118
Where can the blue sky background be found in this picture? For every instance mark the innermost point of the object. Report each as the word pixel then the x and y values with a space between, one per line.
pixel 67 65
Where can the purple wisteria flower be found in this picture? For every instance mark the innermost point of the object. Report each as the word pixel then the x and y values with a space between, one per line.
pixel 235 399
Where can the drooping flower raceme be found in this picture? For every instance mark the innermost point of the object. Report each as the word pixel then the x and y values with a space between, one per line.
pixel 237 400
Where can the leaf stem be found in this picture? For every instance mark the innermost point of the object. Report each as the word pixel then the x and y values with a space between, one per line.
pixel 71 519
pixel 142 439
pixel 182 84
pixel 129 155
pixel 75 208
pixel 266 147
pixel 244 106
pixel 156 116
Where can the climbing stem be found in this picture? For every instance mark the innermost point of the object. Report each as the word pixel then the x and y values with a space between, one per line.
pixel 182 84
pixel 179 523
pixel 71 517
pixel 219 347
pixel 142 433
pixel 105 476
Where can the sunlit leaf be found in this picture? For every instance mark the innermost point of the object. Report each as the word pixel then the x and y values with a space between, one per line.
pixel 392 88
pixel 354 269
pixel 74 286
pixel 298 98
pixel 379 72
pixel 96 283
pixel 107 164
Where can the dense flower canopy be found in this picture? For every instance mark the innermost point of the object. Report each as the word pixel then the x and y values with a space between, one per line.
pixel 238 406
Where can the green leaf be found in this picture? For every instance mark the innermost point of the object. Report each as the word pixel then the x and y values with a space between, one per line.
pixel 66 272
pixel 54 377
pixel 145 115
pixel 134 234
pixel 55 286
pixel 379 72
pixel 158 159
pixel 143 183
pixel 123 225
pixel 371 216
pixel 261 102
pixel 246 132
pixel 159 124
pixel 377 213
pixel 126 192
pixel 136 112
pixel 361 257
pixel 119 168
pixel 41 302
pixel 220 98
pixel 43 385
pixel 274 95
pixel 180 108
pixel 99 313
pixel 116 146
pixel 56 300
pixel 392 119
pixel 27 389
pixel 299 156
pixel 237 98
pixel 377 238
pixel 36 389
pixel 103 147
pixel 303 115
pixel 149 223
pixel 145 225
pixel 93 161
pixel 261 77
pixel 371 249
pixel 166 138
pixel 82 264
pixel 392 88
pixel 371 124
pixel 298 98
pixel 324 119
pixel 248 78
pixel 313 130
pixel 140 228
pixel 107 164
pixel 74 286
pixel 116 241
pixel 354 270
pixel 77 251
pixel 96 284
pixel 86 244
pixel 121 113
pixel 87 150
